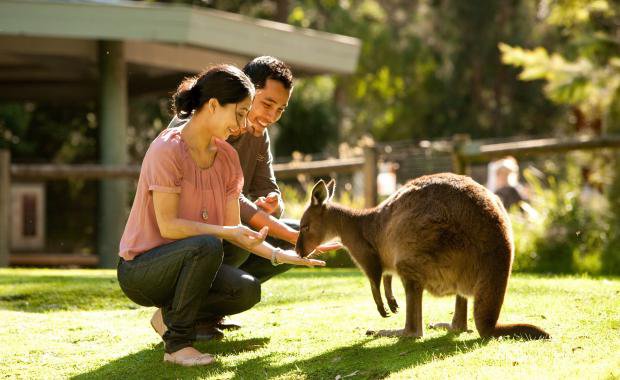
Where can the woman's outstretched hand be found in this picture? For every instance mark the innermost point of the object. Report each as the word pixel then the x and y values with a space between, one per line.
pixel 291 257
pixel 245 237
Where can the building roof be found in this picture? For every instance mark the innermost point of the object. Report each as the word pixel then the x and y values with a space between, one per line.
pixel 56 41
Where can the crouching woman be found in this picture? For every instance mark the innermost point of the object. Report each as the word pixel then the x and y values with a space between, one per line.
pixel 186 202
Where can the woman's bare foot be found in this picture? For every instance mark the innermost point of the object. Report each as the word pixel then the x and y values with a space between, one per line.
pixel 188 357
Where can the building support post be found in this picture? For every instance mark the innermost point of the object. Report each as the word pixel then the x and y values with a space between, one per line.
pixel 5 206
pixel 113 148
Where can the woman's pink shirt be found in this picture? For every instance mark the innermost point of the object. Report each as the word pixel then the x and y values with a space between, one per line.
pixel 168 167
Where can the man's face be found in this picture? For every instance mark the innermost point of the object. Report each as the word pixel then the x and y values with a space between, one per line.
pixel 268 106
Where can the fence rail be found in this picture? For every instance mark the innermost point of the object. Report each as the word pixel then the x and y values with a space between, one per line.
pixel 47 172
pixel 317 168
pixel 466 152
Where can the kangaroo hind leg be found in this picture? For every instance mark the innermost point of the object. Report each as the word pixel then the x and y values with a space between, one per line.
pixel 459 320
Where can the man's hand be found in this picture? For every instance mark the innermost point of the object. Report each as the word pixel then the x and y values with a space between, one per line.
pixel 270 204
pixel 325 247
pixel 329 246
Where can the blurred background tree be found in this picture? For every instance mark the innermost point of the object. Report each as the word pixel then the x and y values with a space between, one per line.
pixel 430 69
pixel 583 73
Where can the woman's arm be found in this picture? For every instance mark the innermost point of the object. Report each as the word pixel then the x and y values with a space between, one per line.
pixel 172 227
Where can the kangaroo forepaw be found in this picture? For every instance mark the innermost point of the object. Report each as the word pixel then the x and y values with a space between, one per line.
pixel 382 311
pixel 393 305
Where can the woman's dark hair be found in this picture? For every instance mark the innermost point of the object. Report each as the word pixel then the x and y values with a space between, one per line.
pixel 266 67
pixel 226 83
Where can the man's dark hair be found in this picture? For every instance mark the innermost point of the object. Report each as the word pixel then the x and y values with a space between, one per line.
pixel 266 67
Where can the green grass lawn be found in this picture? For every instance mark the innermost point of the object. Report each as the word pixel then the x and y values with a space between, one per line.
pixel 310 324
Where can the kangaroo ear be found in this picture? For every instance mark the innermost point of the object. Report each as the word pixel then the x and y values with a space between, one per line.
pixel 331 188
pixel 319 193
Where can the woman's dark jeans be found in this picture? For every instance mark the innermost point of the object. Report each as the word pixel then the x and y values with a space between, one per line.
pixel 186 279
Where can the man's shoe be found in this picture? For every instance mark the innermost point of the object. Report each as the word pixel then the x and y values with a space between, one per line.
pixel 208 331
pixel 157 321
pixel 225 323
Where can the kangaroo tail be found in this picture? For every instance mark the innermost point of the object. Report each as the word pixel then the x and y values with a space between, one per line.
pixel 519 330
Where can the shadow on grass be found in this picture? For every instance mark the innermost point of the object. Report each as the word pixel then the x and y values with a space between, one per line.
pixel 149 363
pixel 359 361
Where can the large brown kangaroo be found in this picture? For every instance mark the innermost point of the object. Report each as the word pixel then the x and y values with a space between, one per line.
pixel 444 233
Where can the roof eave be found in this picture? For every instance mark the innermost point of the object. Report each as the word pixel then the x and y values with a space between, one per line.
pixel 312 51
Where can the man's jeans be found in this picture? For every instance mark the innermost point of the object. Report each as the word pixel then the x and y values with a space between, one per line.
pixel 186 278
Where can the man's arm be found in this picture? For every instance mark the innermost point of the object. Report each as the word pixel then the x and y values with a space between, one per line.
pixel 256 218
pixel 263 182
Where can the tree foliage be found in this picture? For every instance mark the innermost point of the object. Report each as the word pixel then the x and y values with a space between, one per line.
pixel 432 68
pixel 584 71
pixel 311 103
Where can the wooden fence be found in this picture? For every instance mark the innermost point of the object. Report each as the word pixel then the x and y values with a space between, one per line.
pixel 464 152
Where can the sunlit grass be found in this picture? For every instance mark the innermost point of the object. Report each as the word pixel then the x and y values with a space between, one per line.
pixel 310 324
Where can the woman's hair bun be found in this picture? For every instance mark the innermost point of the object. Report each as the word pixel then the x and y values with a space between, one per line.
pixel 186 99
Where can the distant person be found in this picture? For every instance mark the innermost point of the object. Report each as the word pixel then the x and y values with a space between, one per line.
pixel 503 180
pixel 186 203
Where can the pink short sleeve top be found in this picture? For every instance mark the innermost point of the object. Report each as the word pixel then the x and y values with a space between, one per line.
pixel 203 193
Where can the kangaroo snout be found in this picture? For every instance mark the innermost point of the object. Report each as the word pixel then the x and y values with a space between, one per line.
pixel 299 247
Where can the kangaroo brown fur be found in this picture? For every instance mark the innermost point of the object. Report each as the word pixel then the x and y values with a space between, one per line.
pixel 443 233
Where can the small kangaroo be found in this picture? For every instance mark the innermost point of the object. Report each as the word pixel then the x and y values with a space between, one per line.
pixel 444 233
